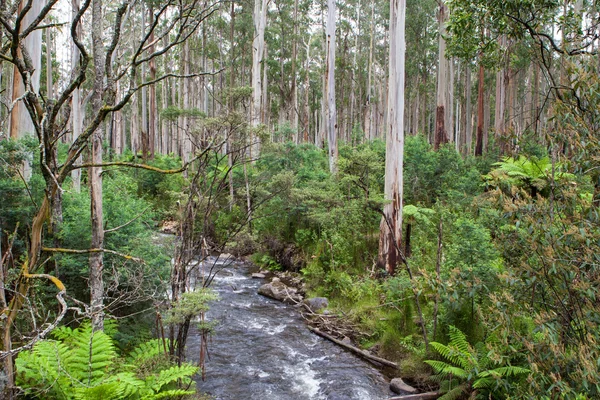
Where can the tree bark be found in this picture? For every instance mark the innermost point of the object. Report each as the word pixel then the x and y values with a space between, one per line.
pixel 468 110
pixel 76 116
pixel 331 122
pixel 144 97
pixel 391 223
pixel 96 281
pixel 369 105
pixel 441 134
pixel 480 111
pixel 20 119
pixel 258 49
pixel 152 107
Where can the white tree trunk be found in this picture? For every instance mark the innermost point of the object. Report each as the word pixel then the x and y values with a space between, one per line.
pixel 96 281
pixel 369 106
pixel 258 48
pixel 76 116
pixel 391 223
pixel 20 120
pixel 330 123
pixel 441 129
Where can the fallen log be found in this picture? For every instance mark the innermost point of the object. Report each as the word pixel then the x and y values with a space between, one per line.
pixel 369 357
pixel 419 396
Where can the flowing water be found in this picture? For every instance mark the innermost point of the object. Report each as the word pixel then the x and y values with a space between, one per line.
pixel 262 350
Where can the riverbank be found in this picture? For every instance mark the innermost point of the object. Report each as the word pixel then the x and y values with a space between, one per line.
pixel 335 326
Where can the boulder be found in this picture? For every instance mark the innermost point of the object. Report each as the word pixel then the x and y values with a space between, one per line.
pixel 169 227
pixel 398 386
pixel 258 275
pixel 317 303
pixel 279 291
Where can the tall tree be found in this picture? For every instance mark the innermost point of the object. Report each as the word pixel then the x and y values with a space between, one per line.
pixel 331 123
pixel 441 129
pixel 391 222
pixel 258 49
pixel 97 258
pixel 20 120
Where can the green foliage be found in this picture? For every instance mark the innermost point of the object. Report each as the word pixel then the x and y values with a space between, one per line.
pixel 471 368
pixel 171 113
pixel 533 173
pixel 437 176
pixel 83 364
pixel 190 304
pixel 122 208
pixel 161 190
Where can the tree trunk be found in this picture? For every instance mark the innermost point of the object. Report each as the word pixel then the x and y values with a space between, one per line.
pixel 294 91
pixel 441 134
pixel 468 111
pixel 20 119
pixel 96 281
pixel 186 149
pixel 331 125
pixel 502 80
pixel 152 111
pixel 76 117
pixel 480 111
pixel 369 105
pixel 258 48
pixel 391 222
pixel 353 76
pixel 307 93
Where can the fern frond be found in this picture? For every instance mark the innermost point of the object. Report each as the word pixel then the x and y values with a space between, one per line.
pixel 175 373
pixel 130 384
pixel 454 393
pixel 443 368
pixel 483 382
pixel 458 339
pixel 505 371
pixel 105 391
pixel 169 394
pixel 146 351
pixel 454 355
pixel 63 333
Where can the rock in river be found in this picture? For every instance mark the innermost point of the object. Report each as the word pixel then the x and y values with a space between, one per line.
pixel 317 303
pixel 397 385
pixel 280 291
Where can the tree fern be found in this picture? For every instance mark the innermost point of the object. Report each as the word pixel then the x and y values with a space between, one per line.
pixel 147 350
pixel 84 365
pixel 172 374
pixel 467 369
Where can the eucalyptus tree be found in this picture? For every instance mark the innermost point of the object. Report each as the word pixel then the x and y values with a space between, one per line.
pixel 442 109
pixel 176 21
pixel 258 49
pixel 331 122
pixel 391 223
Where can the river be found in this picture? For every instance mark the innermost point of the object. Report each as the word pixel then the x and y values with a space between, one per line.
pixel 262 350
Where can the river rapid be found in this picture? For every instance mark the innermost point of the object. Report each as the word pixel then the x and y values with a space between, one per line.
pixel 262 350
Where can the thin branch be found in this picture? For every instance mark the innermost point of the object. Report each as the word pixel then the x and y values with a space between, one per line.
pixel 88 251
pixel 127 223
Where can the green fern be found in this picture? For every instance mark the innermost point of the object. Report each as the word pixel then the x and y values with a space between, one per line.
pixel 146 351
pixel 467 370
pixel 170 375
pixel 84 365
pixel 534 173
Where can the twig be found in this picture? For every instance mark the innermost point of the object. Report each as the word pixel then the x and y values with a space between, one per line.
pixel 88 251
